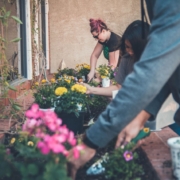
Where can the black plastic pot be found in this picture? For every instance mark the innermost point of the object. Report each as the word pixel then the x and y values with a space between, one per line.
pixel 72 122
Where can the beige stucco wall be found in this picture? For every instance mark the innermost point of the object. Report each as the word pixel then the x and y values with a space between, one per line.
pixel 70 38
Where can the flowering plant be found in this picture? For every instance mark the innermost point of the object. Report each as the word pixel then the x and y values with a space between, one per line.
pixel 105 71
pixel 65 81
pixel 65 71
pixel 123 163
pixel 42 155
pixel 44 93
pixel 83 69
pixel 71 100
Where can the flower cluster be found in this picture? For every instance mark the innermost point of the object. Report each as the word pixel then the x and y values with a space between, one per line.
pixel 79 88
pixel 60 91
pixel 105 71
pixel 83 69
pixel 44 93
pixel 65 71
pixel 48 128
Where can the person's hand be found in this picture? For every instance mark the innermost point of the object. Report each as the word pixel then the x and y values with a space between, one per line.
pixel 74 164
pixel 132 129
pixel 90 75
pixel 88 91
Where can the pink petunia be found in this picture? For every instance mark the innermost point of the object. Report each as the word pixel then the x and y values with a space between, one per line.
pixel 128 155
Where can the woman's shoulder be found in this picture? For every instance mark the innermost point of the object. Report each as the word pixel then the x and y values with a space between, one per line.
pixel 114 34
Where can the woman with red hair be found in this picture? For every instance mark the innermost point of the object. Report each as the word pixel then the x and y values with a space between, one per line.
pixel 108 42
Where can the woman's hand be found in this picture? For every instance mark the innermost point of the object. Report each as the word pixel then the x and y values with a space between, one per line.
pixel 90 76
pixel 132 129
pixel 88 91
pixel 74 164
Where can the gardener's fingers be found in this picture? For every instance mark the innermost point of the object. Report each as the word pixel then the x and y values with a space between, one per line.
pixel 120 139
pixel 71 170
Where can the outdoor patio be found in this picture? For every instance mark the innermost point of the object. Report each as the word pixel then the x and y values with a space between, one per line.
pixel 155 146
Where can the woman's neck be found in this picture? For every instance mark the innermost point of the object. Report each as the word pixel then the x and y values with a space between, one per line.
pixel 108 35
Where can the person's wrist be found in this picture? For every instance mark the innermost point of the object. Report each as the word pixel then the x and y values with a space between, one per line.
pixel 89 143
pixel 144 116
pixel 87 148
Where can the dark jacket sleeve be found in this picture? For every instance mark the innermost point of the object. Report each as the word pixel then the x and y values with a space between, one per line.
pixel 154 107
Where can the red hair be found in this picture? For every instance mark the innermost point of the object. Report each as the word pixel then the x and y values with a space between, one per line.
pixel 97 25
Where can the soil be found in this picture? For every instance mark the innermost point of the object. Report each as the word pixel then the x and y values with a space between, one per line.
pixel 149 173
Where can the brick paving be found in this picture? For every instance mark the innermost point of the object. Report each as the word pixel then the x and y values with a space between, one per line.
pixel 158 152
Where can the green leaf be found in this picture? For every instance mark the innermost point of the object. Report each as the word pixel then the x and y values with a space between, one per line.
pixel 16 107
pixel 3 39
pixel 12 88
pixel 7 14
pixel 17 19
pixel 32 169
pixel 1 17
pixel 16 40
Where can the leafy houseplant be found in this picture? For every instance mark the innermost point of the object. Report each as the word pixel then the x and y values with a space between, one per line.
pixel 44 95
pixel 39 151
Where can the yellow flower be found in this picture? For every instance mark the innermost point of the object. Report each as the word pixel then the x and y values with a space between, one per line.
pixel 36 84
pixel 60 91
pixel 79 88
pixel 103 77
pixel 106 72
pixel 146 130
pixel 30 143
pixel 13 140
pixel 68 80
pixel 53 80
pixel 86 66
pixel 43 81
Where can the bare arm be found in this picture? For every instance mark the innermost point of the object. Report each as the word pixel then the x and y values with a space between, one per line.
pixel 93 60
pixel 113 58
pixel 106 91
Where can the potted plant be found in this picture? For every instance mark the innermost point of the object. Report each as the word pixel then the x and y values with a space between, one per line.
pixel 44 94
pixel 82 71
pixel 65 71
pixel 123 163
pixel 39 150
pixel 106 73
pixel 71 106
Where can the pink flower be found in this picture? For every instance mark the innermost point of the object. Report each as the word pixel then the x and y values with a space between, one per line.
pixel 43 147
pixel 76 151
pixel 54 144
pixel 128 155
pixel 71 140
pixel 34 112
